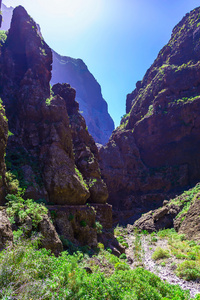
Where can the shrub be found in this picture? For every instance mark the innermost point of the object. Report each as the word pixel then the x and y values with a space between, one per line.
pixel 188 270
pixel 19 208
pixel 160 253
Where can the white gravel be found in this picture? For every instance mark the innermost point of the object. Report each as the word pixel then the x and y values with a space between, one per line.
pixel 164 272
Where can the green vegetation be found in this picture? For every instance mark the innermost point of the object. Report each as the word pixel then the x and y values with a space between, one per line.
pixel 186 100
pixel 188 252
pixel 3 37
pixel 80 176
pixel 20 209
pixel 29 273
pixel 188 270
pixel 15 160
pixel 186 199
pixel 160 253
pixel 120 234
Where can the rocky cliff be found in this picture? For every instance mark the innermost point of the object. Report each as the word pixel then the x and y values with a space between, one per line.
pixel 155 150
pixel 49 148
pixel 88 92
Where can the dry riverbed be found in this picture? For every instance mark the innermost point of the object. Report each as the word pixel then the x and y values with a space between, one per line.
pixel 139 253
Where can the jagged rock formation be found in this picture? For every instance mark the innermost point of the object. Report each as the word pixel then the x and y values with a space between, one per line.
pixel 50 141
pixel 6 235
pixel 88 93
pixel 155 150
pixel 190 223
pixel 3 143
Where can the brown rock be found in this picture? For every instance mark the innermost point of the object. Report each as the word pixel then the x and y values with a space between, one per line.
pixel 92 105
pixel 50 239
pixel 155 150
pixel 75 224
pixel 190 226
pixel 160 218
pixel 47 130
pixel 6 235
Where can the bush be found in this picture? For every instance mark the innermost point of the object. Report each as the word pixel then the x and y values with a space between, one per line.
pixel 188 270
pixel 18 208
pixel 160 253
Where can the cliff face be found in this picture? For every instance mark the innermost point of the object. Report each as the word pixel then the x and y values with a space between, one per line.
pixel 88 92
pixel 155 150
pixel 50 150
pixel 92 105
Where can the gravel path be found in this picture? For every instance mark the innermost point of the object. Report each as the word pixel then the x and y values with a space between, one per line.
pixel 164 272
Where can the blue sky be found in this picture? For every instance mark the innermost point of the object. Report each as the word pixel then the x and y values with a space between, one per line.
pixel 117 39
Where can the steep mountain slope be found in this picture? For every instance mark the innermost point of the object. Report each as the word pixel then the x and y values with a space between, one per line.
pixel 50 149
pixel 88 92
pixel 155 150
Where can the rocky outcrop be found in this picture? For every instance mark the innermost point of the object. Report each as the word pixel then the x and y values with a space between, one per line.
pixel 50 149
pixel 74 71
pixel 189 224
pixel 158 219
pixel 75 224
pixel 50 239
pixel 3 143
pixel 155 150
pixel 6 235
pixel 88 94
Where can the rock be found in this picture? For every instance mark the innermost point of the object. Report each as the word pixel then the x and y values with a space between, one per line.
pixel 50 141
pixel 85 150
pixel 6 235
pixel 154 153
pixel 158 219
pixel 93 106
pixel 190 222
pixel 74 71
pixel 103 214
pixel 50 239
pixel 3 143
pixel 76 224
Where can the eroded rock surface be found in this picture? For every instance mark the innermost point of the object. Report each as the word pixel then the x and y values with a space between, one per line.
pixel 92 105
pixel 49 139
pixel 6 235
pixel 155 150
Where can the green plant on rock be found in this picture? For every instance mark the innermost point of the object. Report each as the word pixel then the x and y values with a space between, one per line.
pixel 18 208
pixel 98 227
pixel 80 176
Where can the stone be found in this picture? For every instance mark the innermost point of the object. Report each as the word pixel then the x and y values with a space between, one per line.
pixel 6 234
pixel 190 222
pixel 154 153
pixel 50 239
pixel 92 105
pixel 75 224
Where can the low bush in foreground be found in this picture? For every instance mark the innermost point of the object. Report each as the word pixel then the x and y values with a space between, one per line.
pixel 28 273
pixel 188 270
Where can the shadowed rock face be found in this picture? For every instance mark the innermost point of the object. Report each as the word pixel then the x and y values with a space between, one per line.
pixel 42 150
pixel 88 93
pixel 155 150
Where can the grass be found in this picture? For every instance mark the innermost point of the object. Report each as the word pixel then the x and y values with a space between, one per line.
pixel 185 251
